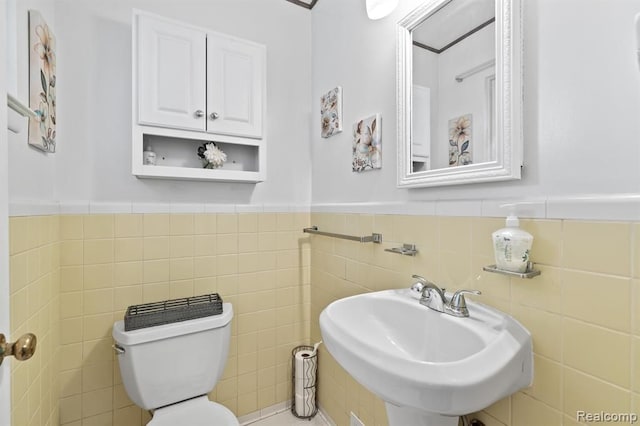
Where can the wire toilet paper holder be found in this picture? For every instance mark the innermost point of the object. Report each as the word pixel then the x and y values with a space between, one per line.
pixel 310 372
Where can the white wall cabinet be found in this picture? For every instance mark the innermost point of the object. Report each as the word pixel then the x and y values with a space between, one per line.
pixel 193 85
pixel 171 75
pixel 235 74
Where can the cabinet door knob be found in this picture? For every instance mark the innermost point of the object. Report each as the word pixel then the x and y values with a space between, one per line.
pixel 199 113
pixel 214 115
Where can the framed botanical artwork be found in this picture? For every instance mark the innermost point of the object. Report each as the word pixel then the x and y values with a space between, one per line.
pixel 367 144
pixel 42 83
pixel 460 141
pixel 331 112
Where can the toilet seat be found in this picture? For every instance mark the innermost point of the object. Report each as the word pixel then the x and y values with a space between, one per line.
pixel 194 412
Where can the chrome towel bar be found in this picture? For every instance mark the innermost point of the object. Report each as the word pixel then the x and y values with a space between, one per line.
pixel 373 238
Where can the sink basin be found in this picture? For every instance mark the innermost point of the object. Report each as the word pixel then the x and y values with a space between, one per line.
pixel 429 367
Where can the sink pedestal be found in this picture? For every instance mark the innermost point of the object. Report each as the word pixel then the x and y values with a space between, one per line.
pixel 400 416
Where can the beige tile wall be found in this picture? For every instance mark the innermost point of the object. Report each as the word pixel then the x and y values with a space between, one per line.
pixel 34 299
pixel 582 311
pixel 259 262
pixel 72 276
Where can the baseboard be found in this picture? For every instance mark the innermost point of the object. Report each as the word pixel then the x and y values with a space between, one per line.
pixel 250 418
pixel 264 413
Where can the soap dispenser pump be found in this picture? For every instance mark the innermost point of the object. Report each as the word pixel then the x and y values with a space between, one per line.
pixel 512 246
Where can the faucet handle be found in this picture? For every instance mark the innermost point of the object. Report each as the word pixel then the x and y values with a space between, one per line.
pixel 418 286
pixel 459 304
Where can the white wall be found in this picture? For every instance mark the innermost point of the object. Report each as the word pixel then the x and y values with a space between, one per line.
pixel 466 97
pixel 94 75
pixel 426 74
pixel 450 99
pixel 582 97
pixel 31 171
pixel 581 101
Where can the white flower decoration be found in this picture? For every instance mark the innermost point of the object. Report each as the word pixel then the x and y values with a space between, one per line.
pixel 214 155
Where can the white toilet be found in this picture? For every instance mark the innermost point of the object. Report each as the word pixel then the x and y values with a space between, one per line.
pixel 171 368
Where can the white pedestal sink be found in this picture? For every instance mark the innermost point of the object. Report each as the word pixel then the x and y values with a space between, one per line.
pixel 428 367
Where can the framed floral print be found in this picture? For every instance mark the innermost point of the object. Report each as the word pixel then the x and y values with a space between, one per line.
pixel 42 83
pixel 367 144
pixel 460 141
pixel 331 112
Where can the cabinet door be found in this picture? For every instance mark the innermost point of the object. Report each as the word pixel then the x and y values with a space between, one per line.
pixel 171 74
pixel 235 86
pixel 421 122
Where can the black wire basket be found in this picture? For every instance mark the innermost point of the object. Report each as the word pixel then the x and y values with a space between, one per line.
pixel 310 366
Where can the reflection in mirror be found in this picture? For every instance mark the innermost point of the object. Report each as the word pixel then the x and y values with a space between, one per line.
pixel 459 119
pixel 453 82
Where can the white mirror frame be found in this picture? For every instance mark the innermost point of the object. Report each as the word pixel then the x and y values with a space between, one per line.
pixel 509 134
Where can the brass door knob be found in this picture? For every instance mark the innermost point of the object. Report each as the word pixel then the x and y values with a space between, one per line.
pixel 22 349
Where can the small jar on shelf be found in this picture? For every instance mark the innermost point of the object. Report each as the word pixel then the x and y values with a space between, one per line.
pixel 148 156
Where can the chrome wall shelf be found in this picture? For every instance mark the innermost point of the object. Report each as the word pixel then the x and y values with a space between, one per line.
pixel 373 238
pixel 530 273
pixel 483 66
pixel 405 250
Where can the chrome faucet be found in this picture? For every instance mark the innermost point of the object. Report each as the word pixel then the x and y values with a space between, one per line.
pixel 434 297
pixel 431 295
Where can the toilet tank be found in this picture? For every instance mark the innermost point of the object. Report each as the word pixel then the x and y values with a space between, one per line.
pixel 170 363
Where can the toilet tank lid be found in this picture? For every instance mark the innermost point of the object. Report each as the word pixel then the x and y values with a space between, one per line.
pixel 166 331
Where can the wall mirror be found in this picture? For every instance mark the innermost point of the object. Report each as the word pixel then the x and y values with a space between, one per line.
pixel 459 84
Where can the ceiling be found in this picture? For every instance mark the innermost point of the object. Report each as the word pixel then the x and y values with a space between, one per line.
pixel 456 20
pixel 450 24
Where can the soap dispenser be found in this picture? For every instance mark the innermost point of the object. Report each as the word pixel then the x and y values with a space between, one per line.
pixel 512 246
